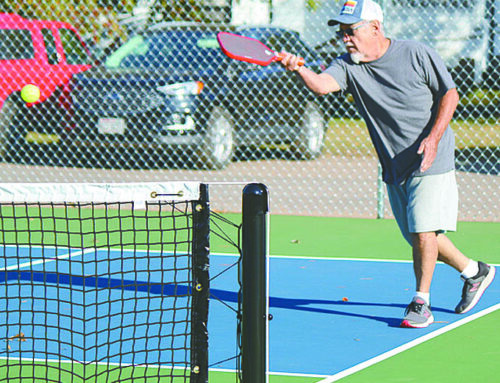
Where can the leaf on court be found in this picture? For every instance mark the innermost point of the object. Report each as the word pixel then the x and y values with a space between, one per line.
pixel 19 336
pixel 295 241
pixel 345 299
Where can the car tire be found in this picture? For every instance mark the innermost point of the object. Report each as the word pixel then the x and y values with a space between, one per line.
pixel 218 146
pixel 7 114
pixel 310 139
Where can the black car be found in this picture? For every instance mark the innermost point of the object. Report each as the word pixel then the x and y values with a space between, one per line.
pixel 171 87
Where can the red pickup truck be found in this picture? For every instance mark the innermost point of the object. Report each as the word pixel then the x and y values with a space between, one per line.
pixel 46 54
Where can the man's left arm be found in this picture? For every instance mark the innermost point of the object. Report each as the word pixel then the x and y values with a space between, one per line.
pixel 446 109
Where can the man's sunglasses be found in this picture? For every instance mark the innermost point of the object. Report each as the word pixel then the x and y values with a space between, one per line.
pixel 350 31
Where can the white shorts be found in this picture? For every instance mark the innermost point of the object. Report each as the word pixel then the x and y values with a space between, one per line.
pixel 425 204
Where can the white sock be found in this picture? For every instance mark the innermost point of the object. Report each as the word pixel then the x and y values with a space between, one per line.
pixel 471 270
pixel 426 297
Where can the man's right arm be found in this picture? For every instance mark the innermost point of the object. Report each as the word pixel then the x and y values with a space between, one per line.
pixel 321 83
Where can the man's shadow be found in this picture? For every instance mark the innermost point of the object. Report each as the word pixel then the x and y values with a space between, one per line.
pixel 337 305
pixel 225 296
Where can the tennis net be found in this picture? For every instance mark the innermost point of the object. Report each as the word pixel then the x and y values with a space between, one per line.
pixel 105 282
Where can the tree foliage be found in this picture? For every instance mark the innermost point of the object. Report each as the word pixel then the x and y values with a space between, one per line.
pixel 99 19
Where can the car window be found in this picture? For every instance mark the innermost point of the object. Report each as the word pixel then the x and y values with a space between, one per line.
pixel 133 49
pixel 74 50
pixel 288 42
pixel 170 49
pixel 50 46
pixel 280 42
pixel 16 44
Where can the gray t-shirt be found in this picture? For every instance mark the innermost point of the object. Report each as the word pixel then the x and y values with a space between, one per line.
pixel 398 96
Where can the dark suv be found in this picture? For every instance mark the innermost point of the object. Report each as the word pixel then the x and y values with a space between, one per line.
pixel 171 87
pixel 43 53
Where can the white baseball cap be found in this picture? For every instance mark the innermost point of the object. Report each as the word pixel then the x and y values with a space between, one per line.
pixel 354 11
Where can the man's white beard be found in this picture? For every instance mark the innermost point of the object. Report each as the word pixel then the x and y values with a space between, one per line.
pixel 356 57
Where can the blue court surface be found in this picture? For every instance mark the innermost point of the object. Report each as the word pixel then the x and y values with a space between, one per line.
pixel 331 317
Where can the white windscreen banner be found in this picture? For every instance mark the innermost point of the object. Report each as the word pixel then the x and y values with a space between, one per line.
pixel 139 192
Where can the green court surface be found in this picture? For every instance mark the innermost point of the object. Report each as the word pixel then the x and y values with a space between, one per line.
pixel 465 354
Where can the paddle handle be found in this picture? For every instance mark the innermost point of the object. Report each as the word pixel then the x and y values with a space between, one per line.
pixel 281 56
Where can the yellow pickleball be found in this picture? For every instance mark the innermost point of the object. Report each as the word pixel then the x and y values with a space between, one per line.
pixel 30 93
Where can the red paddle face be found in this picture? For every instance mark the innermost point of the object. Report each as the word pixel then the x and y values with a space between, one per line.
pixel 246 49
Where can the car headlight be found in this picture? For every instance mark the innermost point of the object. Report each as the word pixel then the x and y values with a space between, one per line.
pixel 182 88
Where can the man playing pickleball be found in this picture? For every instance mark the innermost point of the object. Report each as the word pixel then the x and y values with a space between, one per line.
pixel 407 98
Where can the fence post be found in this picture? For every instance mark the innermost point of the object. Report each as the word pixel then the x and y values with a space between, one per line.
pixel 380 193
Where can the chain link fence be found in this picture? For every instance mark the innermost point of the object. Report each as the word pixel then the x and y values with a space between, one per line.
pixel 139 91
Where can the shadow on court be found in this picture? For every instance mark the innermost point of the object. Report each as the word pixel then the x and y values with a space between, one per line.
pixel 302 304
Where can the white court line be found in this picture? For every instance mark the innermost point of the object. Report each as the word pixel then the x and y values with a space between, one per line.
pixel 408 345
pixel 47 260
pixel 276 256
pixel 296 374
pixel 326 258
pixel 305 258
pixel 124 365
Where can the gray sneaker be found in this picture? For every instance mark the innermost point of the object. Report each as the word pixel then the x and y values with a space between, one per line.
pixel 418 314
pixel 474 287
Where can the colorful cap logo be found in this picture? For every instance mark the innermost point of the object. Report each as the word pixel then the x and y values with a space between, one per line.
pixel 349 8
pixel 353 11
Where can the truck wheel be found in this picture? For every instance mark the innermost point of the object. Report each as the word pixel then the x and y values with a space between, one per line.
pixel 218 146
pixel 309 142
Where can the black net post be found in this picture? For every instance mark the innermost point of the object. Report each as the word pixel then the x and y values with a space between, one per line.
pixel 200 288
pixel 254 275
